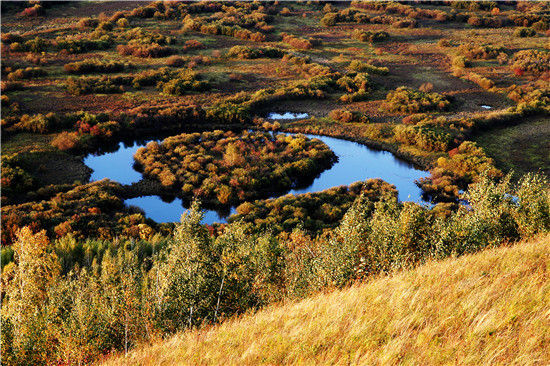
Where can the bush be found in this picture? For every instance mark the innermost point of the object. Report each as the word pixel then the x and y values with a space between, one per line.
pixel 84 23
pixel 175 61
pixel 524 32
pixel 184 82
pixel 460 62
pixel 32 11
pixel 540 26
pixel 150 51
pixel 82 45
pixel 485 21
pixel 27 73
pixel 408 100
pixel 329 19
pixel 297 42
pixel 360 66
pixel 66 141
pixel 477 52
pixel 531 61
pixel 345 116
pixel 244 52
pixel 92 85
pixel 368 36
pixel 95 66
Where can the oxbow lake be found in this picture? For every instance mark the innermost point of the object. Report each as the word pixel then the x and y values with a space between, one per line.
pixel 356 162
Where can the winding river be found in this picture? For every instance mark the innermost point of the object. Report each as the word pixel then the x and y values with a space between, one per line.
pixel 356 162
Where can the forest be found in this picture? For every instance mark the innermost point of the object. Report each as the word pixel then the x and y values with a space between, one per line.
pixel 225 107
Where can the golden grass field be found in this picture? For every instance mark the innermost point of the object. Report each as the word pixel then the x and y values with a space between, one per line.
pixel 490 308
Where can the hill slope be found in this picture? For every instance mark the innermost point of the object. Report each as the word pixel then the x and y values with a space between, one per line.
pixel 489 308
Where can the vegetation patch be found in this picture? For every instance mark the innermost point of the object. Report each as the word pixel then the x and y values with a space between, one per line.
pixel 409 100
pixel 225 168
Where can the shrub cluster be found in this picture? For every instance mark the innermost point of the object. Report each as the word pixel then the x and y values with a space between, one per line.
pixel 16 181
pixel 141 36
pixel 485 21
pixel 357 86
pixel 306 67
pixel 359 66
pixel 427 135
pixel 297 42
pixel 91 210
pixel 466 164
pixel 525 32
pixel 479 52
pixel 530 61
pixel 96 85
pixel 224 168
pixel 409 100
pixel 95 66
pixel 140 50
pixel 194 24
pixel 368 36
pixel 183 82
pixel 83 45
pixel 244 52
pixel 345 116
pixel 26 73
pixel 528 19
pixel 313 212
pixel 402 9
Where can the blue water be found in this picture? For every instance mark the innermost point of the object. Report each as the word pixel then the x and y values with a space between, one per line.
pixel 356 162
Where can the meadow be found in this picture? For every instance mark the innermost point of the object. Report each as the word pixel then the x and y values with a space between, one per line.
pixel 458 89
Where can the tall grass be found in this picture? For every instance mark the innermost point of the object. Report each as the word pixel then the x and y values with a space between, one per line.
pixel 486 308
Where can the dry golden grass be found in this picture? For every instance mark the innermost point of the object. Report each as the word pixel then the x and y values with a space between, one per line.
pixel 488 308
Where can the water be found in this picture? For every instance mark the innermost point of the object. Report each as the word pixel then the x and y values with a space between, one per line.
pixel 486 106
pixel 118 165
pixel 356 162
pixel 287 115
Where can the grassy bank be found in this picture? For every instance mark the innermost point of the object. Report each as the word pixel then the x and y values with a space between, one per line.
pixel 487 308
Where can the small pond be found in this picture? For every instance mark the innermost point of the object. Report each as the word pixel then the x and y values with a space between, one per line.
pixel 356 162
pixel 287 115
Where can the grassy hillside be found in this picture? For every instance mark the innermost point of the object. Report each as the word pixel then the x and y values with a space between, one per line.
pixel 487 308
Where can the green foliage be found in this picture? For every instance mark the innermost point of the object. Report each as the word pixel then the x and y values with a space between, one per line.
pixel 91 210
pixel 525 32
pixel 345 116
pixel 312 212
pixel 244 52
pixel 479 52
pixel 95 85
pixel 465 165
pixel 182 83
pixel 368 36
pixel 123 293
pixel 27 73
pixel 95 66
pixel 360 66
pixel 137 49
pixel 409 100
pixel 358 86
pixel 329 19
pixel 530 61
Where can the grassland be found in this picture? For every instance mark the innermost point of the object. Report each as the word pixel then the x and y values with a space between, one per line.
pixel 487 308
pixel 528 146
